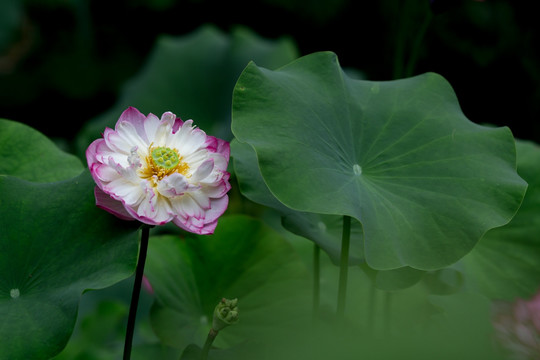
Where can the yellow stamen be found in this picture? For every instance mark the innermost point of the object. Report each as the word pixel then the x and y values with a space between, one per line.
pixel 161 162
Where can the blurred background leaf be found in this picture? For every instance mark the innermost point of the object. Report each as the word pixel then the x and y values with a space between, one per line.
pixel 193 76
pixel 504 264
pixel 11 12
pixel 70 58
pixel 244 259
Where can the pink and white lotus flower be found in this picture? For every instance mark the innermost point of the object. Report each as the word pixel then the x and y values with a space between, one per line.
pixel 161 170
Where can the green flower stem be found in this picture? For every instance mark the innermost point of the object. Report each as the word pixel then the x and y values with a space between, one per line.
pixel 316 279
pixel 225 314
pixel 344 267
pixel 136 291
pixel 208 344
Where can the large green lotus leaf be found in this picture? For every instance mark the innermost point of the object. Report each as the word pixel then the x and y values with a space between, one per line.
pixel 505 263
pixel 324 230
pixel 399 156
pixel 28 154
pixel 193 76
pixel 243 259
pixel 54 244
pixel 250 180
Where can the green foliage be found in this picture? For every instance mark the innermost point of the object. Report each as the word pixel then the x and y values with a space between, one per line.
pixel 399 156
pixel 504 264
pixel 324 230
pixel 100 333
pixel 398 279
pixel 421 181
pixel 30 155
pixel 193 76
pixel 55 243
pixel 244 259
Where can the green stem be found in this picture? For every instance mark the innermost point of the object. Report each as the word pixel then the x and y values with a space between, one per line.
pixel 387 313
pixel 406 24
pixel 415 51
pixel 316 280
pixel 136 292
pixel 372 309
pixel 208 344
pixel 344 267
pixel 401 30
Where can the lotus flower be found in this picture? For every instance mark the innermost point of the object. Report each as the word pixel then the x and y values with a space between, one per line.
pixel 161 170
pixel 517 327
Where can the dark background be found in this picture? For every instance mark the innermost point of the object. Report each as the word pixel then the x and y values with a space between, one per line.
pixel 63 62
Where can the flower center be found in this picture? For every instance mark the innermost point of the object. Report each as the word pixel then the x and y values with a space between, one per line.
pixel 161 162
pixel 165 157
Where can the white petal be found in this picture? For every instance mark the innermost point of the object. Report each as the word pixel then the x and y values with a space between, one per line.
pixel 134 159
pixel 202 198
pixel 155 207
pixel 162 134
pixel 188 139
pixel 203 171
pixel 128 172
pixel 128 137
pixel 126 191
pixel 168 117
pixel 220 162
pixel 187 207
pixel 104 154
pixel 147 206
pixel 104 172
pixel 216 190
pixel 195 159
pixel 150 127
pixel 163 210
pixel 173 185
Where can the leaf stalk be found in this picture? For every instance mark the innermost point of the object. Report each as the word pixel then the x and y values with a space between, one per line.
pixel 344 267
